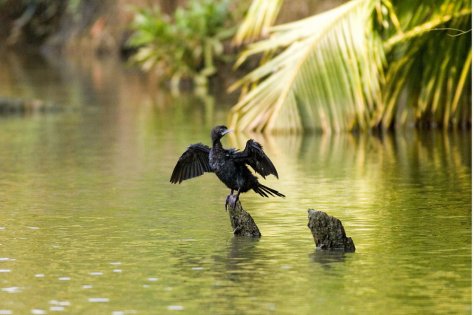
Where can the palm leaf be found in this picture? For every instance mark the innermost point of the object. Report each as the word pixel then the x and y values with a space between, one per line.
pixel 259 18
pixel 326 74
pixel 428 67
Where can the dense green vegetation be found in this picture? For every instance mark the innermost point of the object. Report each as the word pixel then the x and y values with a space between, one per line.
pixel 187 45
pixel 366 64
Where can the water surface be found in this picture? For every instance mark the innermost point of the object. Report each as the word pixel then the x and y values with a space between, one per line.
pixel 89 223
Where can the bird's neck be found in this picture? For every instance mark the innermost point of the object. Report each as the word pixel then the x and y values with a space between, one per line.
pixel 216 144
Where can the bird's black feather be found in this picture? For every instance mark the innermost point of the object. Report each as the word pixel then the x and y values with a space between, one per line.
pixel 254 156
pixel 192 163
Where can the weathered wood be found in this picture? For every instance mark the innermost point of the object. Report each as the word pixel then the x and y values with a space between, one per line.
pixel 241 221
pixel 9 106
pixel 328 232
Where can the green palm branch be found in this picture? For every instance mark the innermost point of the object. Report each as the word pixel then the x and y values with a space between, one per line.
pixel 362 65
pixel 429 66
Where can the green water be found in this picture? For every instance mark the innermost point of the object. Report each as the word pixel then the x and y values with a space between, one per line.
pixel 89 223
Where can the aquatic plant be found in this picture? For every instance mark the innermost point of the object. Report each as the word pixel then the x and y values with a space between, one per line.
pixel 365 64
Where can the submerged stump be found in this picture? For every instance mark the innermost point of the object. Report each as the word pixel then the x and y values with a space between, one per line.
pixel 9 106
pixel 241 221
pixel 328 232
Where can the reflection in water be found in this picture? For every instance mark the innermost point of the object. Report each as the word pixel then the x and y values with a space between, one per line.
pixel 241 248
pixel 90 223
pixel 242 252
pixel 327 258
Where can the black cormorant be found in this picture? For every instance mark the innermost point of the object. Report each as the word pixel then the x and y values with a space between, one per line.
pixel 230 165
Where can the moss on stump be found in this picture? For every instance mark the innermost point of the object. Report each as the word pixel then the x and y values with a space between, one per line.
pixel 328 232
pixel 241 221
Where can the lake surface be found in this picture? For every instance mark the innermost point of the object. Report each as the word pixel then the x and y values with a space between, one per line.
pixel 89 223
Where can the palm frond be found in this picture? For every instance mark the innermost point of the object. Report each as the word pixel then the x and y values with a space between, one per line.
pixel 326 74
pixel 258 19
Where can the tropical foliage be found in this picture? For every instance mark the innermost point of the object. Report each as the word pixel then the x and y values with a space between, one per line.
pixel 429 60
pixel 185 46
pixel 366 64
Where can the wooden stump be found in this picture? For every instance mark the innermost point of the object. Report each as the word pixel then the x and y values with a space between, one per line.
pixel 241 221
pixel 328 232
pixel 12 106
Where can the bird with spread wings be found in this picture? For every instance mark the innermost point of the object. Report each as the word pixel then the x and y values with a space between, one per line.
pixel 230 165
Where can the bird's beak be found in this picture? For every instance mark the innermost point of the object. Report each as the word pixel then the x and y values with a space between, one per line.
pixel 226 131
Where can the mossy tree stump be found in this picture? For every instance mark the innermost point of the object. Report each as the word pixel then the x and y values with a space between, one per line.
pixel 328 232
pixel 9 106
pixel 241 221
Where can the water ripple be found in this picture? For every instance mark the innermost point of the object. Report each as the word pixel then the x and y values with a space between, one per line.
pixel 175 307
pixel 98 300
pixel 12 289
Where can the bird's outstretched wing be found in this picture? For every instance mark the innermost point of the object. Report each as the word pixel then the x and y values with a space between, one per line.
pixel 192 163
pixel 254 156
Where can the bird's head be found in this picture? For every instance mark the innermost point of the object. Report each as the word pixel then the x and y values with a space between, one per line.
pixel 218 132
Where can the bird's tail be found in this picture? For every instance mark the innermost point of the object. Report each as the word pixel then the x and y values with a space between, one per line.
pixel 265 191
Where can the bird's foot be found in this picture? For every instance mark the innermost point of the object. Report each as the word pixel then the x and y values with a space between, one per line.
pixel 231 200
pixel 227 202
